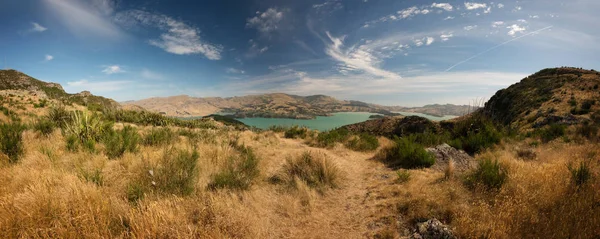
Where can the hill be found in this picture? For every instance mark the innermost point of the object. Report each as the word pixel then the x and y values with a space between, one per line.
pixel 555 95
pixel 15 80
pixel 278 105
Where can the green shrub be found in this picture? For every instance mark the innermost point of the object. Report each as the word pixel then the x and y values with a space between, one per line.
pixel 278 128
pixel 11 140
pixel 551 132
pixel 72 143
pixel 428 139
pixel 90 145
pixel 403 176
pixel 295 132
pixel 363 142
pixel 94 176
pixel 135 192
pixel 118 142
pixel 239 173
pixel 329 138
pixel 44 126
pixel 406 153
pixel 490 174
pixel 316 171
pixel 475 141
pixel 159 136
pixel 59 116
pixel 587 130
pixel 86 127
pixel 178 172
pixel 582 174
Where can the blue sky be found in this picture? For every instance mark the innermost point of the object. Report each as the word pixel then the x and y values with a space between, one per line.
pixel 389 52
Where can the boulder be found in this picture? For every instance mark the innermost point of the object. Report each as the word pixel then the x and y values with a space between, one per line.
pixel 432 229
pixel 444 153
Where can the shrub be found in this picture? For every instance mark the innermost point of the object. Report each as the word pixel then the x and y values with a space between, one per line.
pixel 94 176
pixel 489 174
pixel 118 142
pixel 72 143
pixel 44 126
pixel 11 140
pixel 589 131
pixel 295 132
pixel 403 176
pixel 90 145
pixel 428 139
pixel 159 136
pixel 551 132
pixel 363 142
pixel 582 174
pixel 239 172
pixel 475 134
pixel 135 192
pixel 278 128
pixel 86 127
pixel 405 153
pixel 317 171
pixel 177 173
pixel 329 138
pixel 59 116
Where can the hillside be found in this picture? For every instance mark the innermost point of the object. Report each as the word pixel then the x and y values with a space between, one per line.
pixel 278 105
pixel 555 95
pixel 15 80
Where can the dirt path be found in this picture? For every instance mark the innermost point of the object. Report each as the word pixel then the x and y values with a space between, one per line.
pixel 347 212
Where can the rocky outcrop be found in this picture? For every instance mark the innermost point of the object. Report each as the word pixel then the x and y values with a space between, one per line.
pixel 432 229
pixel 445 153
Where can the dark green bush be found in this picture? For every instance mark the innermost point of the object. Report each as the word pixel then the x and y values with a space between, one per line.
pixel 11 140
pixel 59 116
pixel 329 138
pixel 363 142
pixel 44 126
pixel 490 174
pixel 483 136
pixel 72 143
pixel 406 153
pixel 239 172
pixel 178 172
pixel 121 141
pixel 551 132
pixel 582 174
pixel 159 136
pixel 295 132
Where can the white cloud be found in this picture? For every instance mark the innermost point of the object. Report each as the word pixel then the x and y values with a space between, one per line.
pixel 514 29
pixel 151 75
pixel 500 5
pixel 418 42
pixel 488 10
pixel 113 69
pixel 497 24
pixel 49 57
pixel 446 37
pixel 267 21
pixel 255 49
pixel 448 18
pixel 429 40
pixel 522 20
pixel 357 58
pixel 474 5
pixel 37 27
pixel 534 16
pixel 234 71
pixel 86 18
pixel 96 87
pixel 517 8
pixel 179 38
pixel 468 28
pixel 445 6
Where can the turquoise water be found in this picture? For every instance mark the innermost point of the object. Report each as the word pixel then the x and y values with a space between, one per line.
pixel 429 117
pixel 321 123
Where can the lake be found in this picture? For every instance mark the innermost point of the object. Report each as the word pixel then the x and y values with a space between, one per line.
pixel 429 117
pixel 324 123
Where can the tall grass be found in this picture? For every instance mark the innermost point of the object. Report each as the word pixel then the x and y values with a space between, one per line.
pixel 11 140
pixel 239 171
pixel 315 170
pixel 406 153
pixel 490 174
pixel 159 136
pixel 363 142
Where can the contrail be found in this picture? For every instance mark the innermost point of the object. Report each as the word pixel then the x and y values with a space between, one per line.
pixel 499 45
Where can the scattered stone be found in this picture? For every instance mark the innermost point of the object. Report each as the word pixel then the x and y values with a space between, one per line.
pixel 432 229
pixel 444 153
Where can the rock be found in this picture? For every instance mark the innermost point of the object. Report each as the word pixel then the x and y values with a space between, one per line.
pixel 84 93
pixel 568 119
pixel 432 229
pixel 444 153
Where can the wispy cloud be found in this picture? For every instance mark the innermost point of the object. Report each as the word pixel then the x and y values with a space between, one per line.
pixel 474 5
pixel 151 75
pixel 445 6
pixel 255 49
pixel 445 37
pixel 48 58
pixel 357 58
pixel 514 28
pixel 113 69
pixel 266 22
pixel 468 28
pixel 232 70
pixel 178 37
pixel 97 86
pixel 36 27
pixel 86 18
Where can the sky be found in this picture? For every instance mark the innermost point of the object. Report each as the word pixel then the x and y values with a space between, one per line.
pixel 390 52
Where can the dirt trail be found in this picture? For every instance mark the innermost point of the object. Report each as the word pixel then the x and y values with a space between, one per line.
pixel 347 212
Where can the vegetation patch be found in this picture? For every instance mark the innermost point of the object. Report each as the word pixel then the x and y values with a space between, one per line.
pixel 580 175
pixel 159 136
pixel 44 126
pixel 406 153
pixel 550 132
pixel 118 142
pixel 11 140
pixel 239 172
pixel 296 132
pixel 330 138
pixel 316 170
pixel 363 142
pixel 490 174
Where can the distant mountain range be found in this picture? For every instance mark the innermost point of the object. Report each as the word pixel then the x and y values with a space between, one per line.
pixel 280 105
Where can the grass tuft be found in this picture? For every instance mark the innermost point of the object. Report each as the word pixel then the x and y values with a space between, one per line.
pixel 406 153
pixel 11 140
pixel 240 171
pixel 316 170
pixel 490 174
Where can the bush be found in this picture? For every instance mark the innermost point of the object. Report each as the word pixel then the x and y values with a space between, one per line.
pixel 44 126
pixel 329 138
pixel 316 171
pixel 86 127
pixel 489 174
pixel 589 131
pixel 159 136
pixel 72 143
pixel 118 142
pixel 94 176
pixel 178 172
pixel 59 116
pixel 582 174
pixel 403 176
pixel 240 171
pixel 363 142
pixel 11 140
pixel 295 132
pixel 405 153
pixel 428 139
pixel 475 141
pixel 551 132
